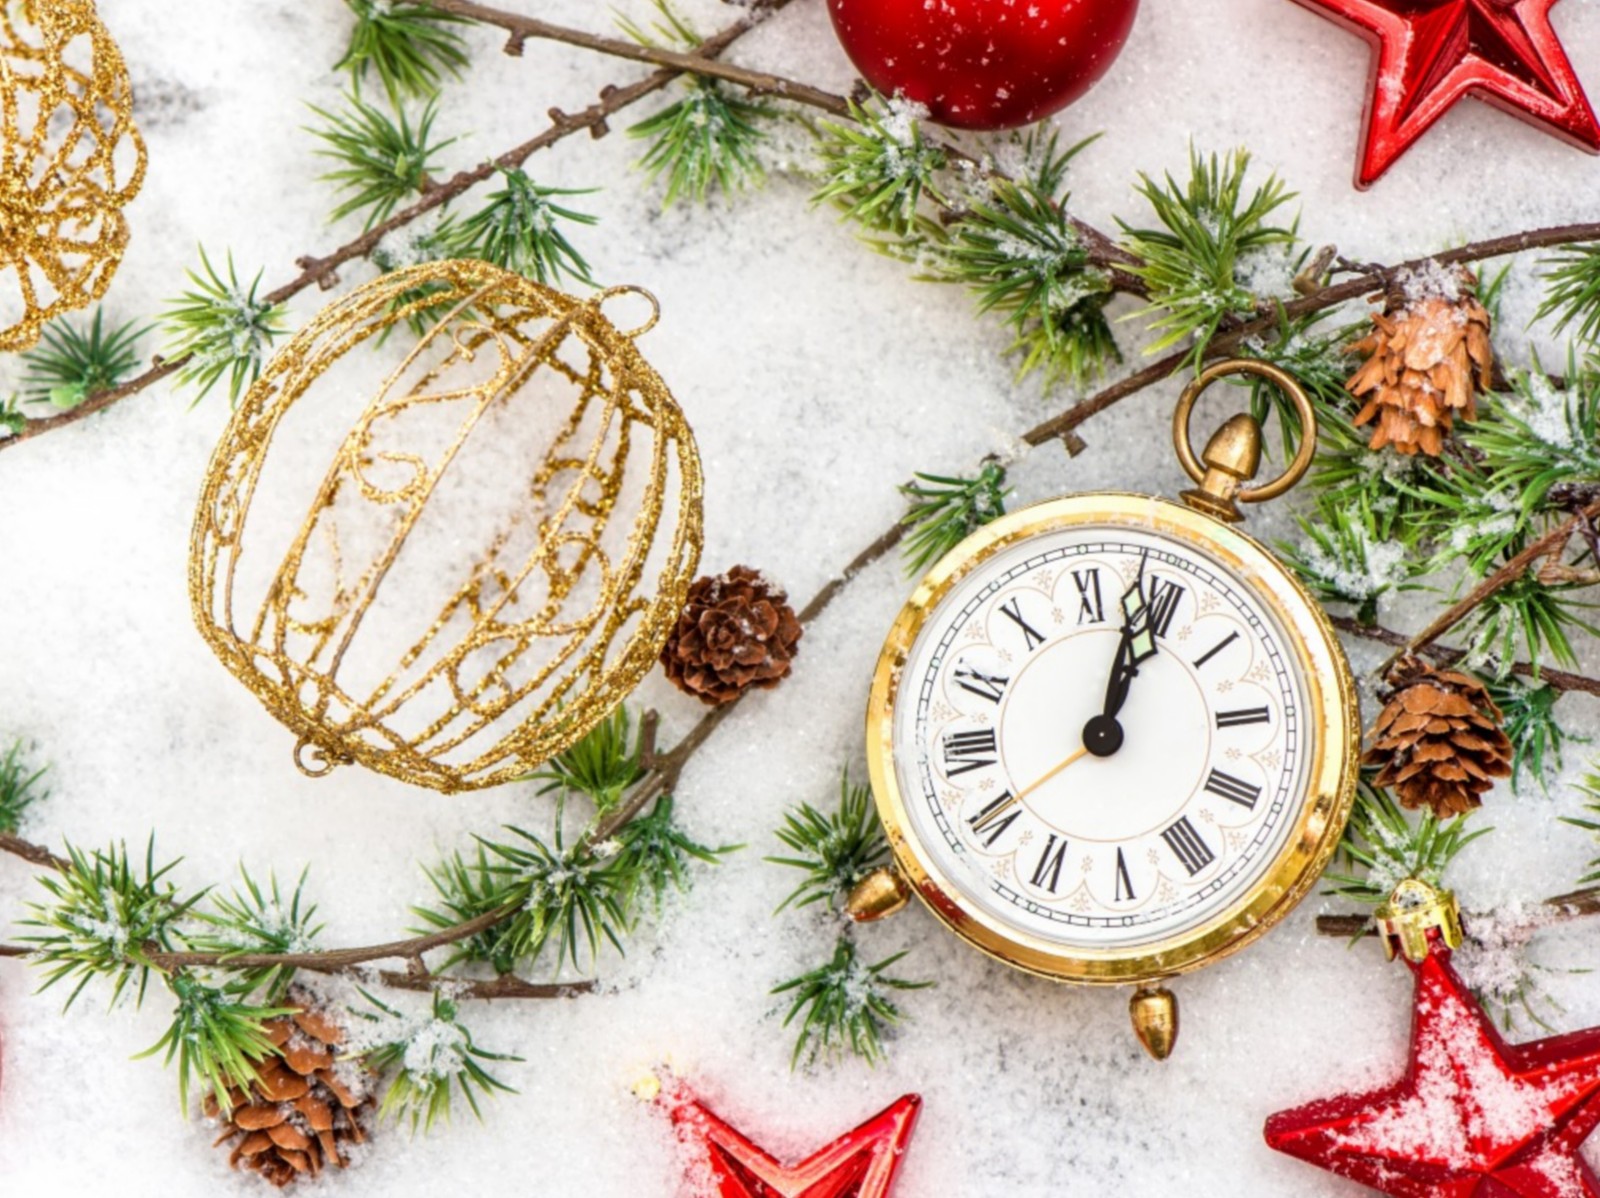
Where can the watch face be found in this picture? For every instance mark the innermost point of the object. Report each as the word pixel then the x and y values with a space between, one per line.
pixel 1105 735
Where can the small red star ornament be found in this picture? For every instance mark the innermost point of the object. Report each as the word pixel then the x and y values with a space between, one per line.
pixel 723 1163
pixel 1473 1117
pixel 1427 54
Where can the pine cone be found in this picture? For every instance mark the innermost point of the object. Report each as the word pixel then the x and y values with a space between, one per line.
pixel 736 631
pixel 1427 359
pixel 302 1115
pixel 1439 740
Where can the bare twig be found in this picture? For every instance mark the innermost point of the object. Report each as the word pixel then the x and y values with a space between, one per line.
pixel 1580 904
pixel 316 271
pixel 1559 680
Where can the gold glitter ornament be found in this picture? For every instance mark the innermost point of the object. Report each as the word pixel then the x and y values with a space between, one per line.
pixel 71 159
pixel 490 557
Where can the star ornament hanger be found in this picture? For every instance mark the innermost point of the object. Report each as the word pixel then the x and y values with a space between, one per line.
pixel 1428 54
pixel 1473 1117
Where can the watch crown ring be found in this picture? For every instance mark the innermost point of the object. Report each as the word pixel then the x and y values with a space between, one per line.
pixel 1204 470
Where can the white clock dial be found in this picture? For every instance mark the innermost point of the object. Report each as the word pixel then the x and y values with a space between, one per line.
pixel 1101 737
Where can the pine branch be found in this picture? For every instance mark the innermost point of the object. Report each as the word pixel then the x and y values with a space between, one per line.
pixel 320 271
pixel 411 47
pixel 519 229
pixel 833 850
pixel 20 788
pixel 944 511
pixel 433 1057
pixel 71 365
pixel 1389 847
pixel 844 1005
pixel 219 329
pixel 381 158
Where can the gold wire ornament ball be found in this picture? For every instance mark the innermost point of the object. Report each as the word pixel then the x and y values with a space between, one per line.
pixel 72 159
pixel 488 560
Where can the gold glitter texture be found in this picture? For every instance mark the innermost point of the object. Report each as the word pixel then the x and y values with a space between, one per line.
pixel 72 159
pixel 493 555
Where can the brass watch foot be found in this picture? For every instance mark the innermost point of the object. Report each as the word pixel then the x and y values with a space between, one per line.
pixel 880 894
pixel 1155 1020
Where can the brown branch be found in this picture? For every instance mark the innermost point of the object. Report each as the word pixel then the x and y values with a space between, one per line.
pixel 28 851
pixel 1496 582
pixel 1559 680
pixel 316 271
pixel 1580 904
pixel 505 986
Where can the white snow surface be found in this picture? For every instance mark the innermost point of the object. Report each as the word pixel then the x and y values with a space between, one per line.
pixel 817 376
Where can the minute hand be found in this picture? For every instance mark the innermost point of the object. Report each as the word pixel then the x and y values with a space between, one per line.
pixel 1137 646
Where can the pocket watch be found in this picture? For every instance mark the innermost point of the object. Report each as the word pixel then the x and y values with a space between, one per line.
pixel 1112 738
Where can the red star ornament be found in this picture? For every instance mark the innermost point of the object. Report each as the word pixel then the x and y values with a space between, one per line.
pixel 725 1164
pixel 1473 1117
pixel 1430 53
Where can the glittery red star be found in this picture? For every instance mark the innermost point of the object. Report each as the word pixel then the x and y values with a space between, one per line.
pixel 1430 53
pixel 1473 1117
pixel 724 1164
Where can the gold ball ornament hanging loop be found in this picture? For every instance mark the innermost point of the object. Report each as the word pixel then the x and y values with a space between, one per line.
pixel 70 159
pixel 1233 455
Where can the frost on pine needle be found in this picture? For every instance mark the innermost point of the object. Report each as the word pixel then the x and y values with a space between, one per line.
pixel 380 158
pixel 709 139
pixel 221 329
pixel 1388 845
pixel 519 229
pixel 1494 961
pixel 104 918
pixel 431 1056
pixel 1344 556
pixel 1201 263
pixel 1526 618
pixel 877 167
pixel 834 850
pixel 257 920
pixel 20 788
pixel 943 511
pixel 411 47
pixel 216 1037
pixel 844 1006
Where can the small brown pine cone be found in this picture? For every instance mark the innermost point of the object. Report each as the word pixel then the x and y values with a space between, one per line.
pixel 1439 740
pixel 1427 358
pixel 305 1111
pixel 736 631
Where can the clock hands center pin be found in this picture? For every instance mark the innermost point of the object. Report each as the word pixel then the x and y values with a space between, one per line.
pixel 1103 735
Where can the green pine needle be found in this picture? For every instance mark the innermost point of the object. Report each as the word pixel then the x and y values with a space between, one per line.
pixel 944 511
pixel 710 139
pixel 1572 291
pixel 217 1039
pixel 466 889
pixel 649 857
pixel 834 850
pixel 1197 265
pixel 257 920
pixel 12 421
pixel 1526 618
pixel 604 765
pixel 1022 257
pixel 877 167
pixel 1537 737
pixel 223 328
pixel 1384 842
pixel 382 159
pixel 844 1005
pixel 1350 555
pixel 1589 789
pixel 71 364
pixel 1540 435
pixel 434 1057
pixel 410 46
pixel 19 788
pixel 519 229
pixel 103 919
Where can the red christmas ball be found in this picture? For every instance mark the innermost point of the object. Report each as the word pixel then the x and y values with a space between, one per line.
pixel 983 64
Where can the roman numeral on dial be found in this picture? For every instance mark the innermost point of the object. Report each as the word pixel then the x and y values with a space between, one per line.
pixel 1186 845
pixel 1012 610
pixel 992 822
pixel 968 751
pixel 1245 715
pixel 1050 863
pixel 978 683
pixel 1091 606
pixel 1235 790
pixel 1124 881
pixel 1216 649
pixel 1162 597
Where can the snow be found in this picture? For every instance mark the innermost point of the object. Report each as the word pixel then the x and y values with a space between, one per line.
pixel 817 376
